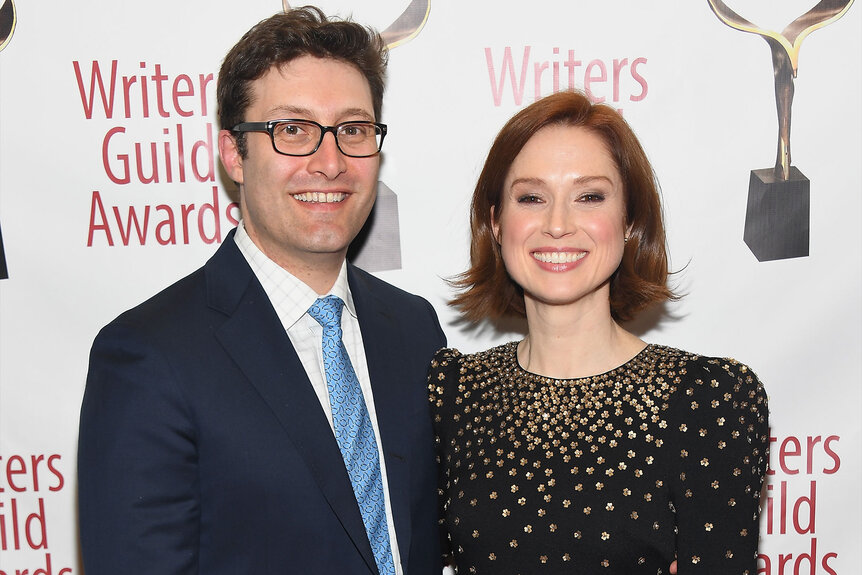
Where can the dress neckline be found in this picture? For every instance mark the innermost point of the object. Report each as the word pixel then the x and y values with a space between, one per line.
pixel 512 350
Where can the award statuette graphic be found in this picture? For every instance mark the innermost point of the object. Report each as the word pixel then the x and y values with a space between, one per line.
pixel 4 272
pixel 777 216
pixel 7 27
pixel 378 246
pixel 7 22
pixel 405 27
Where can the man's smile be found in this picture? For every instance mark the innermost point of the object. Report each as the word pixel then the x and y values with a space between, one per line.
pixel 321 197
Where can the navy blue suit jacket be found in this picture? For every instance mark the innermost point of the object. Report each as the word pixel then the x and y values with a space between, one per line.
pixel 203 448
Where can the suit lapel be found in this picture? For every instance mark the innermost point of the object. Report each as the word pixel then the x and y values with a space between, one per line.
pixel 255 339
pixel 381 342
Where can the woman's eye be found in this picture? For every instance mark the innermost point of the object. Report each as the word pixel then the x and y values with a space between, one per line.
pixel 592 198
pixel 529 199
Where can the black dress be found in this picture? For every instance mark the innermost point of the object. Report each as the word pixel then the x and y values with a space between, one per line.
pixel 617 473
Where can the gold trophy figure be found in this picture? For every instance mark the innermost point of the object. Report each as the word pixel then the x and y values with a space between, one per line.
pixel 7 27
pixel 777 216
pixel 405 27
pixel 7 21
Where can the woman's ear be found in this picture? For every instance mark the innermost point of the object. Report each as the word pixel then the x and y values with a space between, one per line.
pixel 495 225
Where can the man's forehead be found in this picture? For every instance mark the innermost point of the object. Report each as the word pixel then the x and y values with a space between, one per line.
pixel 307 87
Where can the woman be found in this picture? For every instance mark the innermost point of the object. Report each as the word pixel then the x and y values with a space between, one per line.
pixel 581 448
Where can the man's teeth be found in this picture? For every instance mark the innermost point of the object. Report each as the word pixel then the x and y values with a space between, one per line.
pixel 321 197
pixel 558 257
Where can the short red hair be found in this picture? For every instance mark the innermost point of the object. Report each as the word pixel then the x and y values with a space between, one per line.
pixel 487 291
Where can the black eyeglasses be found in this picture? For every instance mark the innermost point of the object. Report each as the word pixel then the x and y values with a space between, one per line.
pixel 303 137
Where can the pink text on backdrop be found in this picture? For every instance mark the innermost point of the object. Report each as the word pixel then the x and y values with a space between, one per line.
pixel 790 504
pixel 118 149
pixel 593 76
pixel 187 97
pixel 176 224
pixel 24 519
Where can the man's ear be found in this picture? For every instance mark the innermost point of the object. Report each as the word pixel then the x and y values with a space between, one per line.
pixel 231 159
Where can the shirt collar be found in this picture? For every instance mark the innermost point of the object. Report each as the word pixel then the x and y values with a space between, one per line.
pixel 289 295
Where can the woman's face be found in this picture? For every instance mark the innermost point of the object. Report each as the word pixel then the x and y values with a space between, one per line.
pixel 561 225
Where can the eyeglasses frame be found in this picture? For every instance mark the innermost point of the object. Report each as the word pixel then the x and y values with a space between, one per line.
pixel 269 128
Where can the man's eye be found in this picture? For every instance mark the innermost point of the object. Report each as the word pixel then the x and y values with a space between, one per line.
pixel 291 130
pixel 356 131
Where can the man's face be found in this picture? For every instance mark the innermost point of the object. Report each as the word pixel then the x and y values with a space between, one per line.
pixel 303 212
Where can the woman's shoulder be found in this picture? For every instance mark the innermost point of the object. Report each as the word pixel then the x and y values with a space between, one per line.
pixel 703 366
pixel 694 364
pixel 450 367
pixel 448 357
pixel 718 379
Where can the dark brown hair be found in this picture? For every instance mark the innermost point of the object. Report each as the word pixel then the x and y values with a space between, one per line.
pixel 286 36
pixel 487 291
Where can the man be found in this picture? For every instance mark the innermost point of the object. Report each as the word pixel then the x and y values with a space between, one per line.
pixel 215 436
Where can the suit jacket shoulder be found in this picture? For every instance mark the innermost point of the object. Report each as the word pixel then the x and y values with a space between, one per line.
pixel 203 448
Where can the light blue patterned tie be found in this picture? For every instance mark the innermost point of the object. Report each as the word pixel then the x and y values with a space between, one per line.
pixel 353 431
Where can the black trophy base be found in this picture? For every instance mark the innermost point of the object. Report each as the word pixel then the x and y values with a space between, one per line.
pixel 4 273
pixel 777 217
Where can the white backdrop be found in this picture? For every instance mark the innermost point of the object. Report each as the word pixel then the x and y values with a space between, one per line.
pixel 698 93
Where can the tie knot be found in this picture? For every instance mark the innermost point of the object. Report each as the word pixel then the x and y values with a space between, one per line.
pixel 327 311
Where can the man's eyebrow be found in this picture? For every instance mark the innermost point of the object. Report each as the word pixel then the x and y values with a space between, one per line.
pixel 298 112
pixel 286 111
pixel 357 112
